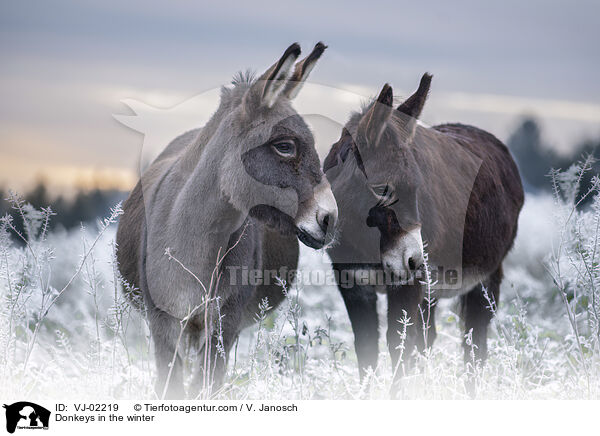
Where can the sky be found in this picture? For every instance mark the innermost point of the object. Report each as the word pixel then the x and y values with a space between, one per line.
pixel 67 67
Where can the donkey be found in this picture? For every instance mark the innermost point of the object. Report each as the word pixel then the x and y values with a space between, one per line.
pixel 237 193
pixel 400 186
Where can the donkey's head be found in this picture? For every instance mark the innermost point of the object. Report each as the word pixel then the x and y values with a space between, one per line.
pixel 269 166
pixel 381 139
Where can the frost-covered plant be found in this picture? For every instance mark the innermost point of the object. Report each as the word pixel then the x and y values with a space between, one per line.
pixel 574 262
pixel 58 325
pixel 66 329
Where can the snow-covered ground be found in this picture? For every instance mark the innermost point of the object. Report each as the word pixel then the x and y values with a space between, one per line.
pixel 67 332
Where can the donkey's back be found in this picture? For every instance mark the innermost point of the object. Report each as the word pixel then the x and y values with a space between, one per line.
pixel 495 199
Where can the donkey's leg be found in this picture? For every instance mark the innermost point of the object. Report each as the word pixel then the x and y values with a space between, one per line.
pixel 225 315
pixel 403 299
pixel 361 304
pixel 214 356
pixel 227 331
pixel 477 313
pixel 165 331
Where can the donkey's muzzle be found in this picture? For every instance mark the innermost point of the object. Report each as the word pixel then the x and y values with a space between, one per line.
pixel 316 223
pixel 309 240
pixel 404 255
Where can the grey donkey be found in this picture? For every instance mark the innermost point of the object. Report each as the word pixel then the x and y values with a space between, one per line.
pixel 233 195
pixel 399 184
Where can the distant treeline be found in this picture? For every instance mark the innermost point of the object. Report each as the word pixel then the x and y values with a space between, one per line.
pixel 535 161
pixel 86 206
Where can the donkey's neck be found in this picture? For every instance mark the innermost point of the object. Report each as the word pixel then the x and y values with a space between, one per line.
pixel 205 217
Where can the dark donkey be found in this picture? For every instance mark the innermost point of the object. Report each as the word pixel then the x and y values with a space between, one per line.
pixel 234 194
pixel 394 180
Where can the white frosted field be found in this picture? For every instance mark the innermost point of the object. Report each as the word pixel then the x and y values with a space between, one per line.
pixel 82 340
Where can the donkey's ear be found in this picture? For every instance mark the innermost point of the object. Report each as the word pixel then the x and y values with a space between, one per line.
pixel 302 70
pixel 268 87
pixel 413 106
pixel 374 122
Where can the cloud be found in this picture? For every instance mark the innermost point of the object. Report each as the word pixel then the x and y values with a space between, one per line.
pixel 512 105
pixel 66 65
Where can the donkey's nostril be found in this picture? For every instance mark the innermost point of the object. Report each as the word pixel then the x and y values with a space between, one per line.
pixel 415 262
pixel 324 223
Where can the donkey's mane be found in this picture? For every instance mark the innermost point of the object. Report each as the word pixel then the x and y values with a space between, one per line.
pixel 243 77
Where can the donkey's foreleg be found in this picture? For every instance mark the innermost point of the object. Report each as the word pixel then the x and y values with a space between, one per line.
pixel 404 329
pixel 210 373
pixel 225 328
pixel 361 304
pixel 478 309
pixel 166 332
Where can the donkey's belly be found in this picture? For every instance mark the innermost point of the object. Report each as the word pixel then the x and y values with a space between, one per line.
pixel 466 286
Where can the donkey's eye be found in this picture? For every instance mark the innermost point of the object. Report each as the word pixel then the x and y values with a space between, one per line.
pixel 384 193
pixel 285 148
